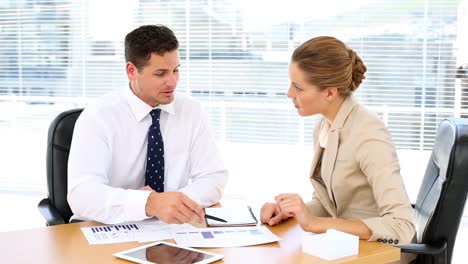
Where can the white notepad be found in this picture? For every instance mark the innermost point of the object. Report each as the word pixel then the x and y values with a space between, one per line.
pixel 234 215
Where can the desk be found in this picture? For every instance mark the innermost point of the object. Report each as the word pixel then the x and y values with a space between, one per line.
pixel 66 244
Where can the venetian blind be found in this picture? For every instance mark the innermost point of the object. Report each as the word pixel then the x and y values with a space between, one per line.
pixel 61 54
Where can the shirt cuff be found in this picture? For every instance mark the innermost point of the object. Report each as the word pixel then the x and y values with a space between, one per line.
pixel 135 207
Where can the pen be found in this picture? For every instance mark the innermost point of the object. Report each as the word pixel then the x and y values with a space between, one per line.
pixel 215 218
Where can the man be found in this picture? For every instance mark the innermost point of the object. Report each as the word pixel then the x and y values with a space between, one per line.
pixel 145 152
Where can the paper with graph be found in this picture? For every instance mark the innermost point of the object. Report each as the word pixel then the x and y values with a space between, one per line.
pixel 141 231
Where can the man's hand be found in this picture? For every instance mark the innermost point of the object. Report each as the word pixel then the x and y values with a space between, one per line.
pixel 271 214
pixel 174 208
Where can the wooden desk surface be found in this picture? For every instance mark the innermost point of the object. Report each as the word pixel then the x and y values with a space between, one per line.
pixel 66 244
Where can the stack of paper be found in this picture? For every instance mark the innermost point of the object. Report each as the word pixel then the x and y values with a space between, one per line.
pixel 330 245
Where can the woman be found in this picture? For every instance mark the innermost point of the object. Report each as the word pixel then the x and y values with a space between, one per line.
pixel 355 172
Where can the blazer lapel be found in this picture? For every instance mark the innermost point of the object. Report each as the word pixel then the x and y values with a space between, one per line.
pixel 319 188
pixel 317 156
pixel 329 155
pixel 328 163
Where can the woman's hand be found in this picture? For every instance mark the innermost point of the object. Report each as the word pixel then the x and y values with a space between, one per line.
pixel 292 205
pixel 270 214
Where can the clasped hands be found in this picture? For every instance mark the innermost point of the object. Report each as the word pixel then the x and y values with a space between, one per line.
pixel 290 205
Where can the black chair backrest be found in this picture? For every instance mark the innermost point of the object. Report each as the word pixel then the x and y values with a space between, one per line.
pixel 442 196
pixel 58 147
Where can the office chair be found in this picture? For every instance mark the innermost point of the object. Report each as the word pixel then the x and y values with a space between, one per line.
pixel 442 195
pixel 55 208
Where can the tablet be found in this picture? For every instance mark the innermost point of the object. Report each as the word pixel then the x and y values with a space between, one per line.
pixel 163 252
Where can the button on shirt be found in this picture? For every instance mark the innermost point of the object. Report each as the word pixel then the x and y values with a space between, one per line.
pixel 107 159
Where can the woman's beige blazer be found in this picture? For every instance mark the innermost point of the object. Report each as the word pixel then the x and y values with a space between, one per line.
pixel 361 176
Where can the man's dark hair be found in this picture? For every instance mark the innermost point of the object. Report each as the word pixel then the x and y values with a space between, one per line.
pixel 141 42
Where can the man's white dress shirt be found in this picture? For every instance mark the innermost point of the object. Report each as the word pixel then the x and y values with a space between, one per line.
pixel 107 161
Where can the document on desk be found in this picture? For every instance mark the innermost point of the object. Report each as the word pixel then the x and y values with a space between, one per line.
pixel 240 215
pixel 225 237
pixel 141 231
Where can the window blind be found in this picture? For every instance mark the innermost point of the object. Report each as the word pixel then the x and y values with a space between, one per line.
pixel 60 54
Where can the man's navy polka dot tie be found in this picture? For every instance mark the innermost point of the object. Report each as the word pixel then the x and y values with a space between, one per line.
pixel 155 157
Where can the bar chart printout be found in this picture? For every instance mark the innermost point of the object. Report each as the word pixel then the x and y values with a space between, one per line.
pixel 141 231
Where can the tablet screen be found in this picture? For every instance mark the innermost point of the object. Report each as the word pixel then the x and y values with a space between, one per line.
pixel 163 253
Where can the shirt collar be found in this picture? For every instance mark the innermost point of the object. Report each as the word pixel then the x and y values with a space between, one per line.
pixel 140 109
pixel 323 135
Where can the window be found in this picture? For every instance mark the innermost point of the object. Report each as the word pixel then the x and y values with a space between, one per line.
pixel 60 54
